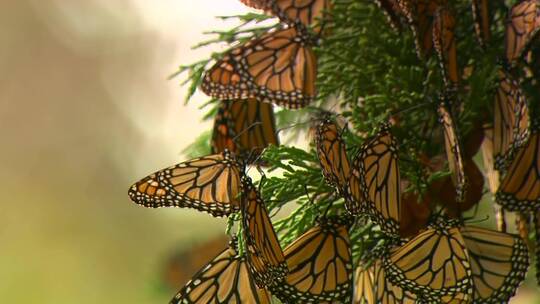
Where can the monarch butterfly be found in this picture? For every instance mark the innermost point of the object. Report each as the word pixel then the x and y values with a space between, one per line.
pixel 444 43
pixel 511 123
pixel 294 12
pixel 226 279
pixel 433 264
pixel 244 127
pixel 210 183
pixel 472 196
pixel 536 219
pixel 520 186
pixel 364 286
pixel 278 67
pixel 480 12
pixel 419 15
pixel 499 263
pixel 264 254
pixel 320 265
pixel 393 12
pixel 372 286
pixel 453 151
pixel 305 12
pixel 522 27
pixel 258 4
pixel 332 154
pixel 375 182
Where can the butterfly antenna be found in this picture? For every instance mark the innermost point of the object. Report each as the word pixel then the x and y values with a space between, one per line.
pixel 311 109
pixel 314 204
pixel 246 129
pixel 471 220
pixel 408 109
pixel 275 210
pixel 256 160
pixel 327 210
pixel 261 172
pixel 251 155
pixel 293 126
pixel 330 112
pixel 263 178
pixel 311 201
pixel 345 128
pixel 476 209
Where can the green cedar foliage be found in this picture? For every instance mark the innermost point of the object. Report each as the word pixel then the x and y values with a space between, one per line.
pixel 367 72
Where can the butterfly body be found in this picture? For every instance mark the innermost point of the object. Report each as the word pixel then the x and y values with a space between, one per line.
pixel 264 253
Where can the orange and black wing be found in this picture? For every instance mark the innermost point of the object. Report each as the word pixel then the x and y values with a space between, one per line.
pixel 393 12
pixel 278 67
pixel 522 27
pixel 444 43
pixel 320 265
pixel 332 154
pixel 422 26
pixel 364 286
pixel 454 150
pixel 520 187
pixel 482 23
pixel 306 12
pixel 499 263
pixel 210 183
pixel 223 134
pixel 244 127
pixel 373 287
pixel 419 15
pixel 434 264
pixel 264 253
pixel 226 279
pixel 511 122
pixel 536 222
pixel 376 167
pixel 258 4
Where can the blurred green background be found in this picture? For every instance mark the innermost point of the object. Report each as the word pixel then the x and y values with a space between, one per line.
pixel 85 110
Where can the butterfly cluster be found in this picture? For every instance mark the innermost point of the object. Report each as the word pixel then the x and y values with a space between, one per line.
pixel 430 254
